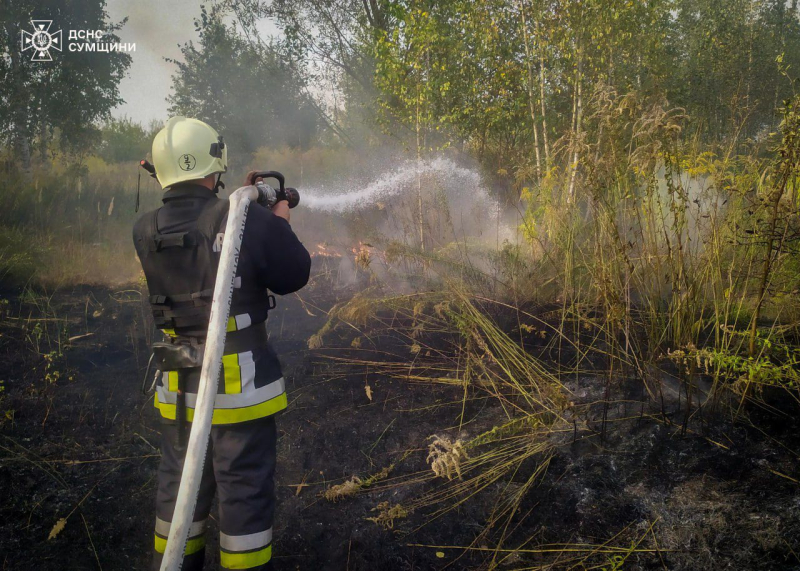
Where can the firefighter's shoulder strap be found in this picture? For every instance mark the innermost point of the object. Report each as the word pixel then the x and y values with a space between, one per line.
pixel 207 225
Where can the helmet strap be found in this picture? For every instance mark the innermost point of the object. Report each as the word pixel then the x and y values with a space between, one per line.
pixel 138 187
pixel 220 184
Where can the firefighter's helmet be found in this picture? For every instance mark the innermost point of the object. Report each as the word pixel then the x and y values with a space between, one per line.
pixel 188 149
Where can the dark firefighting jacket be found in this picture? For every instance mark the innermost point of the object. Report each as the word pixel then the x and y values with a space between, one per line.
pixel 179 246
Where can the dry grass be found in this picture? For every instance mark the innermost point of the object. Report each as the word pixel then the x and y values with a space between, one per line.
pixel 451 341
pixel 355 484
pixel 445 457
pixel 387 513
pixel 67 226
pixel 350 488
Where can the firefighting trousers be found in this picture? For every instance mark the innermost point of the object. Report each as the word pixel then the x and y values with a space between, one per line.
pixel 240 469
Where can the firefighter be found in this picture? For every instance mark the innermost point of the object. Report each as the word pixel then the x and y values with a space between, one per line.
pixel 179 246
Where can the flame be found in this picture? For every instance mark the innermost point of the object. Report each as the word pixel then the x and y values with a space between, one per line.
pixel 323 250
pixel 362 255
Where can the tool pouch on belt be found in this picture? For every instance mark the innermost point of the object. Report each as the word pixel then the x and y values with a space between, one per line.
pixel 173 357
pixel 183 353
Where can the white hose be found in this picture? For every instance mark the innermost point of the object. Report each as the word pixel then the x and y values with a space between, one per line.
pixel 209 377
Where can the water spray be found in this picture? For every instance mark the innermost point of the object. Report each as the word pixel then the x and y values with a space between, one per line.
pixel 342 197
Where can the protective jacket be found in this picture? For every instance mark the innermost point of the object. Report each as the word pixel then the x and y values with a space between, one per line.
pixel 179 246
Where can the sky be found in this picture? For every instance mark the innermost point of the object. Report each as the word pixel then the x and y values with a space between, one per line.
pixel 158 28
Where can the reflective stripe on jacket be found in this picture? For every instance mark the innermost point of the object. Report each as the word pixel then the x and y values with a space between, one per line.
pixel 251 385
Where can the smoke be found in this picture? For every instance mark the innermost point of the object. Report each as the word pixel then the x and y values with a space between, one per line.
pixel 158 29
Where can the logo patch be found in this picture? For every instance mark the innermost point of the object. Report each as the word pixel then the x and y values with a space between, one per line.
pixel 187 162
pixel 41 40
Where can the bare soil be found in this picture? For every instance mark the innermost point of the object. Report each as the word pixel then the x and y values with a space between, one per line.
pixel 79 441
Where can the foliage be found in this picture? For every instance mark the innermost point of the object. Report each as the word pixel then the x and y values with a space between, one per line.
pixel 509 79
pixel 124 140
pixel 777 365
pixel 43 102
pixel 248 92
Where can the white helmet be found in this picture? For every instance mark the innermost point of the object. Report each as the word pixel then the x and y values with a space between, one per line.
pixel 188 149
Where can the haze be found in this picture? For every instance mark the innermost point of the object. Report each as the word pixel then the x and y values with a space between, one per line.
pixel 158 29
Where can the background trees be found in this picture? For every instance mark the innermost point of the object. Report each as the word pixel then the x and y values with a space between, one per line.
pixel 125 140
pixel 248 91
pixel 508 80
pixel 40 102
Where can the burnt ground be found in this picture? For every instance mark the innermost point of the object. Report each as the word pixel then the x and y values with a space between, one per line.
pixel 79 441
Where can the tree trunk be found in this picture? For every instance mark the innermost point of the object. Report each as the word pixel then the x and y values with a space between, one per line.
pixel 578 114
pixel 782 41
pixel 419 178
pixel 23 146
pixel 750 25
pixel 20 137
pixel 540 49
pixel 530 92
pixel 43 140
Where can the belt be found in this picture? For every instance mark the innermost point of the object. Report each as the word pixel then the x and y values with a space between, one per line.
pixel 187 352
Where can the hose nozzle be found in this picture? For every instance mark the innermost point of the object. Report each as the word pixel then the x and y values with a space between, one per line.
pixel 269 196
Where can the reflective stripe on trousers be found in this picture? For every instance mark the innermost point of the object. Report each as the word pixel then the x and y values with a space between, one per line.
pixel 245 551
pixel 239 468
pixel 195 543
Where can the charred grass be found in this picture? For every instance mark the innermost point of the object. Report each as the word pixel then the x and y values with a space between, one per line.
pixel 427 431
pixel 550 460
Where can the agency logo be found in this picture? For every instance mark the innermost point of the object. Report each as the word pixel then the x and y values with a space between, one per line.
pixel 41 40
